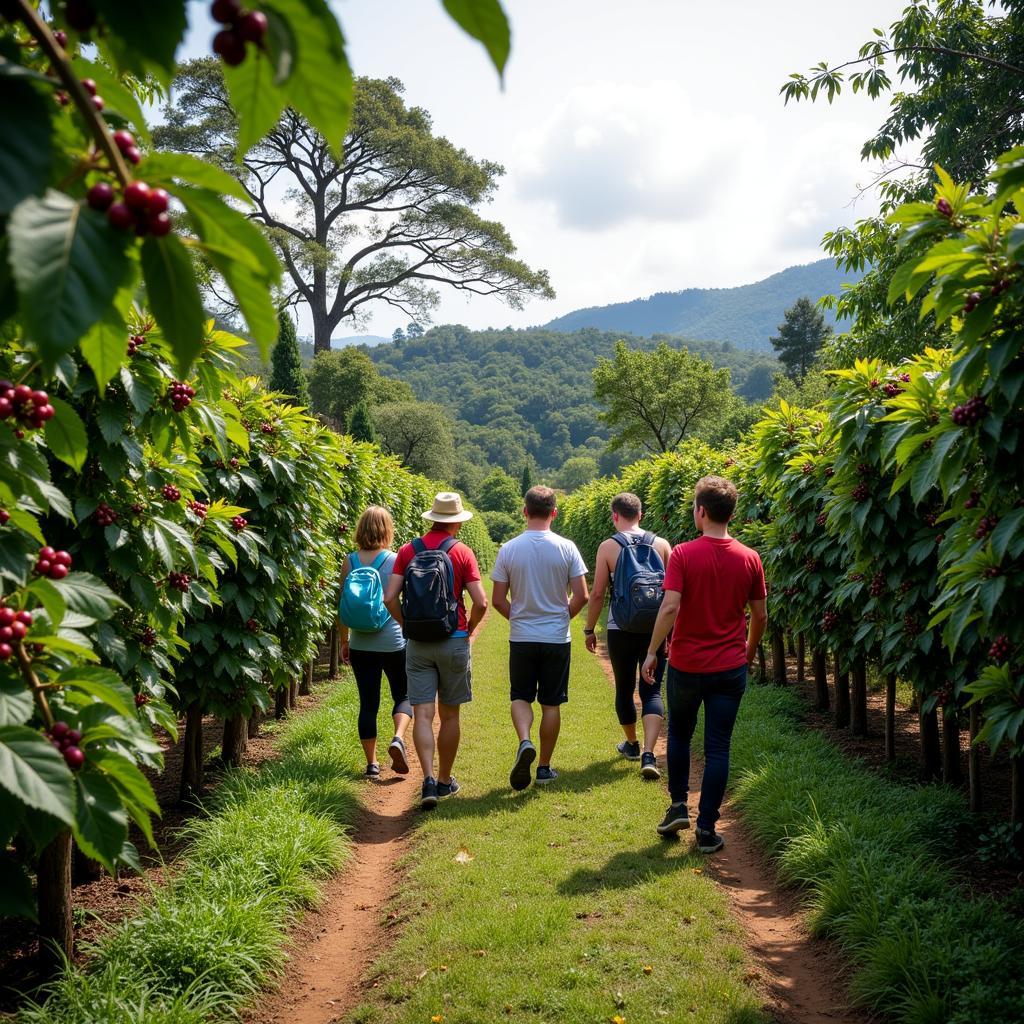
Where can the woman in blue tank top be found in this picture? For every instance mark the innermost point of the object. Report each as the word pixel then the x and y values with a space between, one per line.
pixel 382 653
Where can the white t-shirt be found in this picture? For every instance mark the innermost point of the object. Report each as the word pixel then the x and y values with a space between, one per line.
pixel 538 565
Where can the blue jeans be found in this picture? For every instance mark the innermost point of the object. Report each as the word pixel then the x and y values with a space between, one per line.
pixel 720 693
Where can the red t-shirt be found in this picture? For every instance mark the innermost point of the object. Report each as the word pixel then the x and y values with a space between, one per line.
pixel 716 577
pixel 463 562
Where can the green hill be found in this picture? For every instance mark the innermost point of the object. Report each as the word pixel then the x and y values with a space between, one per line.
pixel 747 315
pixel 518 394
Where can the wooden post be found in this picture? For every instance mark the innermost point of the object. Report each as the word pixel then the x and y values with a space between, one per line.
pixel 778 642
pixel 801 659
pixel 859 698
pixel 951 774
pixel 281 702
pixel 334 640
pixel 306 686
pixel 233 744
pixel 842 714
pixel 974 761
pixel 930 755
pixel 819 663
pixel 191 787
pixel 890 717
pixel 53 901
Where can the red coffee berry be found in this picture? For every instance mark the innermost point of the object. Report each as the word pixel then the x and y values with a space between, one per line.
pixel 234 463
pixel 267 428
pixel 1001 649
pixel 4 516
pixel 158 201
pixel 252 27
pixel 89 85
pixel 61 37
pixel 6 650
pixel 905 377
pixel 230 46
pixel 147 637
pixel 7 616
pixel 124 140
pixel 104 514
pixel 133 155
pixel 136 194
pixel 227 12
pixel 238 523
pixel 141 700
pixel 120 216
pixel 159 224
pixel 100 196
pixel 170 493
pixel 179 581
pixel 99 102
pixel 944 207
pixel 74 758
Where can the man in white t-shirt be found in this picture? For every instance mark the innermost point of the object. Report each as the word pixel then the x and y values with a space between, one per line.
pixel 540 584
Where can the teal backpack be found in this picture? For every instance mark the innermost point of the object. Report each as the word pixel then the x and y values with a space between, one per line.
pixel 361 606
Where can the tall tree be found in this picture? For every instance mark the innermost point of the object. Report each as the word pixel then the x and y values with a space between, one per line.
pixel 361 425
pixel 801 336
pixel 500 493
pixel 414 330
pixel 655 399
pixel 526 478
pixel 398 335
pixel 341 379
pixel 287 374
pixel 420 434
pixel 390 222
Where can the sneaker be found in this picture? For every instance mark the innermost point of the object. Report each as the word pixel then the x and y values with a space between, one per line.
pixel 545 774
pixel 708 840
pixel 629 750
pixel 677 817
pixel 448 788
pixel 649 766
pixel 372 770
pixel 399 762
pixel 519 777
pixel 429 798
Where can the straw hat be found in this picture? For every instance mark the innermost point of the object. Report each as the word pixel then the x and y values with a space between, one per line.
pixel 447 509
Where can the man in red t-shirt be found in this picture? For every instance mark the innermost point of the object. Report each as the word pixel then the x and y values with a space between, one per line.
pixel 439 672
pixel 709 584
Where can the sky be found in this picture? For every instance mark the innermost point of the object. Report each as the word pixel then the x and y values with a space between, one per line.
pixel 645 144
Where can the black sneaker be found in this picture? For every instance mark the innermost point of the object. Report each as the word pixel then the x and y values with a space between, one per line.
pixel 545 774
pixel 708 840
pixel 448 788
pixel 629 750
pixel 372 770
pixel 519 777
pixel 399 762
pixel 677 817
pixel 429 798
pixel 649 766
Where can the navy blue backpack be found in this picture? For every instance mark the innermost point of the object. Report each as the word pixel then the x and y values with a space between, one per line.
pixel 636 587
pixel 430 606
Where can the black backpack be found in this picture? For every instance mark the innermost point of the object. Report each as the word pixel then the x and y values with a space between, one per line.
pixel 636 588
pixel 430 606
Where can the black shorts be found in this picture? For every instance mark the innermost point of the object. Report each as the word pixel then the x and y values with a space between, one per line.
pixel 539 672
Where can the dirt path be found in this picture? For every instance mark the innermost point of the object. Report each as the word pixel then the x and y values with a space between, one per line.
pixel 798 974
pixel 334 946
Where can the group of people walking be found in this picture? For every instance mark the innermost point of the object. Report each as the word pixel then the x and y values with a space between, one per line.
pixel 677 616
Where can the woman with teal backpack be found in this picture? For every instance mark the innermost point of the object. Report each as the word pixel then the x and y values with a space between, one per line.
pixel 371 641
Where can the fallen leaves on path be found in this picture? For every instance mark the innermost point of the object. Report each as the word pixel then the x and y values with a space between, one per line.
pixel 463 856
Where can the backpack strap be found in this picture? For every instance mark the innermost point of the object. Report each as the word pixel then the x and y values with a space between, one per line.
pixel 418 546
pixel 354 562
pixel 447 544
pixel 620 539
pixel 630 540
pixel 379 561
pixel 648 539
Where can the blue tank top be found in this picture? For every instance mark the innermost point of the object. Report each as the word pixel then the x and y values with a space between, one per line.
pixel 389 637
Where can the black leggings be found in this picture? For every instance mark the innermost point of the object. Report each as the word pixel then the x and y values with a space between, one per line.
pixel 367 667
pixel 627 653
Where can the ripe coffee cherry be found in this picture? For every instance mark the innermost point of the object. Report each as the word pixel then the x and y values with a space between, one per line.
pixel 61 37
pixel 159 224
pixel 179 581
pixel 100 196
pixel 6 650
pixel 234 463
pixel 198 508
pixel 227 12
pixel 80 15
pixel 74 758
pixel 238 523
pixel 973 500
pixel 971 413
pixel 811 564
pixel 892 390
pixel 230 46
pixel 181 395
pixel 99 102
pixel 89 85
pixel 807 468
pixel 133 155
pixel 861 492
pixel 877 584
pixel 158 201
pixel 136 195
pixel 910 624
pixel 944 207
pixel 104 515
pixel 7 616
pixel 147 637
pixel 1001 649
pixel 124 140
pixel 252 625
pixel 252 27
pixel 135 342
pixel 60 730
pixel 120 216
pixel 170 493
pixel 4 516
pixel 905 377
pixel 822 519
pixel 141 700
pixel 971 302
pixel 829 621
pixel 54 564
pixel 985 526
pixel 267 428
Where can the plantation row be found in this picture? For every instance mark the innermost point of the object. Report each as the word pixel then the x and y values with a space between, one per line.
pixel 891 518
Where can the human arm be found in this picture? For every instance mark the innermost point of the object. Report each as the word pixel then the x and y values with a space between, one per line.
pixel 758 622
pixel 579 598
pixel 662 627
pixel 499 598
pixel 478 596
pixel 602 574
pixel 392 595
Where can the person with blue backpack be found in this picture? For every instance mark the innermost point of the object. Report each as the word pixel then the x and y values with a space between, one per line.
pixel 425 595
pixel 371 640
pixel 632 563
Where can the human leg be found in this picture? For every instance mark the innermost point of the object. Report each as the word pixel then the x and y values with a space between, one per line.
pixel 367 667
pixel 422 677
pixel 550 725
pixel 651 706
pixel 448 735
pixel 624 670
pixel 683 690
pixel 553 661
pixel 722 696
pixel 398 682
pixel 522 719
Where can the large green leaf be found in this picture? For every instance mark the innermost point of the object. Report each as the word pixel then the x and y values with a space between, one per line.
pixel 84 593
pixel 174 297
pixel 15 702
pixel 320 83
pixel 484 20
pixel 101 823
pixel 165 169
pixel 65 435
pixel 68 265
pixel 255 98
pixel 27 152
pixel 105 347
pixel 103 684
pixel 33 772
pixel 145 38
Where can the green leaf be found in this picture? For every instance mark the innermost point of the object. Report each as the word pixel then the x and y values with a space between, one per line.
pixel 33 772
pixel 254 98
pixel 139 393
pixel 144 40
pixel 88 595
pixel 486 21
pixel 27 153
pixel 16 896
pixel 101 824
pixel 320 83
pixel 103 684
pixel 51 600
pixel 105 347
pixel 65 435
pixel 16 703
pixel 68 264
pixel 117 97
pixel 174 297
pixel 166 169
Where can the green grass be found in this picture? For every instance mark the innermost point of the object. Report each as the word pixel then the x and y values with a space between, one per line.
pixel 204 944
pixel 569 894
pixel 874 858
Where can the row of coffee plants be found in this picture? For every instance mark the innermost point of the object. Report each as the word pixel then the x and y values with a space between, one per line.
pixel 891 519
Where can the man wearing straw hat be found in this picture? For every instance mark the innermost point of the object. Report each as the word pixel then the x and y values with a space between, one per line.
pixel 425 594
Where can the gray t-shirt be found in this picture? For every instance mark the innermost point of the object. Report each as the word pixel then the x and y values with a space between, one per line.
pixel 538 565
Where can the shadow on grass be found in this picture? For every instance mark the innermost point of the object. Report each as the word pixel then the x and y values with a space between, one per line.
pixel 632 867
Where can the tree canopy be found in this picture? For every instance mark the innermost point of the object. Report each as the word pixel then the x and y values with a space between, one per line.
pixel 499 493
pixel 287 374
pixel 654 399
pixel 392 221
pixel 419 433
pixel 342 379
pixel 800 338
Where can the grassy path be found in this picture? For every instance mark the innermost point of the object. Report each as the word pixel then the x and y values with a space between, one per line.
pixel 558 904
